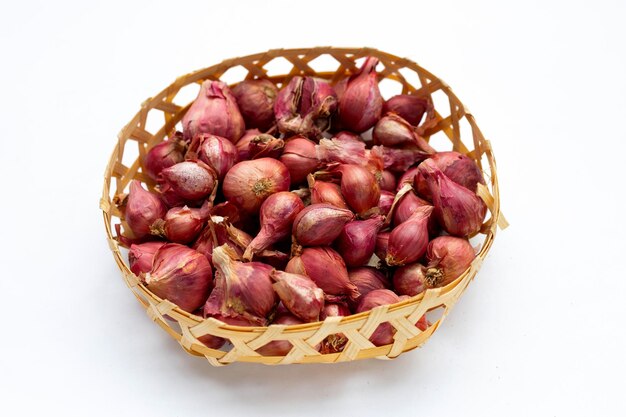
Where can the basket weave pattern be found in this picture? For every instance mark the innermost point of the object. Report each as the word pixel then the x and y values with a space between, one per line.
pixel 138 136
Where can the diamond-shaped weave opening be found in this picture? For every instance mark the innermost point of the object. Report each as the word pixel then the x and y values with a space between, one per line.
pixel 324 63
pixel 410 78
pixel 435 314
pixel 440 142
pixel 389 88
pixel 278 66
pixel 234 75
pixel 187 94
pixel 442 103
pixel 131 153
pixel 154 121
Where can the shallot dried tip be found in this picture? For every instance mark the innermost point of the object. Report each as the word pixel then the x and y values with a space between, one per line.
pixel 342 150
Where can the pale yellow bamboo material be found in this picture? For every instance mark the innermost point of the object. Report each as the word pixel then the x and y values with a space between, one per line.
pixel 449 121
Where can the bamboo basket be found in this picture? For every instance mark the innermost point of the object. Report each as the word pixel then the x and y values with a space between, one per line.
pixel 159 117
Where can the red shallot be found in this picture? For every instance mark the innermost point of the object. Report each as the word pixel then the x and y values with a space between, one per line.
pixel 249 183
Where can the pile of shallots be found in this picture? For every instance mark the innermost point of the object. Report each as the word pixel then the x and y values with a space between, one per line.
pixel 289 206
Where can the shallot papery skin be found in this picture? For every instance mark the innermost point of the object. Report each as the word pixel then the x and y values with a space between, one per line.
pixel 408 241
pixel 277 215
pixel 204 244
pixel 255 99
pixel 360 101
pixel 140 256
pixel 407 207
pixel 357 240
pixel 387 181
pixel 410 108
pixel 231 212
pixel 304 107
pixel 456 166
pixel 335 342
pixel 227 234
pixel 143 209
pixel 214 111
pixel 382 245
pixel 182 224
pixel 186 183
pixel 266 146
pixel 299 294
pixel 334 310
pixel 241 289
pixel 385 202
pixel 249 183
pixel 163 155
pixel 300 158
pixel 344 150
pixel 218 153
pixel 399 159
pixel 407 178
pixel 326 268
pixel 280 347
pixel 393 131
pixel 345 135
pixel 320 224
pixel 460 212
pixel 386 134
pixel 383 335
pixel 359 187
pixel 243 144
pixel 180 275
pixel 448 257
pixel 367 279
pixel 410 279
pixel 326 193
pixel 376 160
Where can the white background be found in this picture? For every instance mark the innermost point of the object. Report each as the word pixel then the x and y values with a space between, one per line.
pixel 540 331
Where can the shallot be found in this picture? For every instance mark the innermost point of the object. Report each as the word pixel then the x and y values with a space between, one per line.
pixel 143 209
pixel 448 257
pixel 214 111
pixel 249 183
pixel 164 155
pixel 255 99
pixel 460 211
pixel 300 158
pixel 241 289
pixel 320 224
pixel 299 294
pixel 186 182
pixel 140 256
pixel 360 101
pixel 357 240
pixel 181 275
pixel 326 268
pixel 410 108
pixel 408 241
pixel 304 107
pixel 277 215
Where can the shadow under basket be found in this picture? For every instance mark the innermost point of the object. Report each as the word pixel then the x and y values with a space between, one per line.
pixel 454 129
